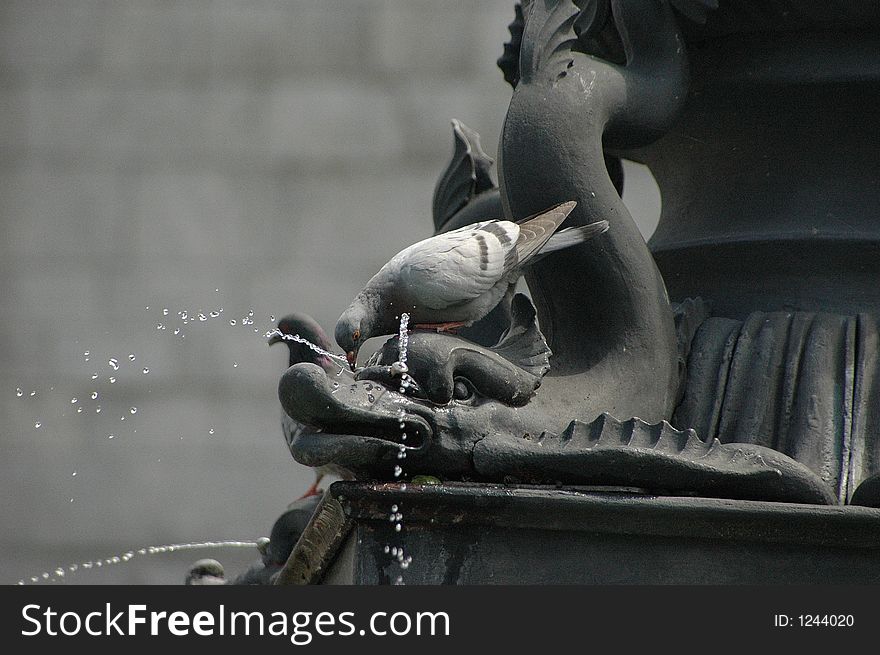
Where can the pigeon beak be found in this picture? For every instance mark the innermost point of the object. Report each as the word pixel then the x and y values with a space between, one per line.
pixel 351 356
pixel 275 338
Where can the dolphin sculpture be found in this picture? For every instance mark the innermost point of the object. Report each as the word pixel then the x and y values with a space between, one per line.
pixel 587 397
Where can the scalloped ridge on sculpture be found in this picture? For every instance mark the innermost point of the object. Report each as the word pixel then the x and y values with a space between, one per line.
pixel 656 457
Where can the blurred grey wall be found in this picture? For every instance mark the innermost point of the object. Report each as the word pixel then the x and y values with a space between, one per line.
pixel 201 156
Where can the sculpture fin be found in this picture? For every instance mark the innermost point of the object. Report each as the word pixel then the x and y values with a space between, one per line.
pixel 522 343
pixel 548 31
pixel 656 457
pixel 509 61
pixel 466 176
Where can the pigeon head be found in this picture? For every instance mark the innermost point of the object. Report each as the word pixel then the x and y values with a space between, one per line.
pixel 206 572
pixel 307 328
pixel 352 329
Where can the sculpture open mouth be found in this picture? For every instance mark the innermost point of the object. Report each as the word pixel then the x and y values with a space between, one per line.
pixel 456 390
pixel 353 420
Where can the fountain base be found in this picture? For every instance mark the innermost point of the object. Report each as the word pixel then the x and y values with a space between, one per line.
pixel 499 534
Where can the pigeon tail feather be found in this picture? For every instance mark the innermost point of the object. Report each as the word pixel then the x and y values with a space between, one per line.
pixel 571 236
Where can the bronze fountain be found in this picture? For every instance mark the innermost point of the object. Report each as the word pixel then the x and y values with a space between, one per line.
pixel 700 408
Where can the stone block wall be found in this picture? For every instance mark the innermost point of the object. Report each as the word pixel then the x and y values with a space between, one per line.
pixel 199 156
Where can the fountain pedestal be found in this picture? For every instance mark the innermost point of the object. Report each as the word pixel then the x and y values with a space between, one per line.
pixel 487 534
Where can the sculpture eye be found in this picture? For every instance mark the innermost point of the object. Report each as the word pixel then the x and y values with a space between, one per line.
pixel 462 390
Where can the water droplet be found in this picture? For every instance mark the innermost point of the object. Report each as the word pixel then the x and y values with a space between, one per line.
pixel 79 410
pixel 211 431
pixel 215 314
pixel 94 376
pixel 398 471
pixel 133 410
pixel 202 317
pixel 113 363
pixel 94 395
pixel 131 357
pixel 184 316
pixel 146 370
pixel 19 392
pixel 112 380
pixel 397 527
pixel 73 401
pixel 165 311
pixel 98 409
pixel 121 418
pixel 272 317
pixel 111 436
pixel 394 508
pixel 234 364
pixel 176 330
pixel 160 326
pixel 232 321
pixel 147 308
pixel 86 353
pixel 216 290
pixel 38 425
pixel 73 474
pixel 387 549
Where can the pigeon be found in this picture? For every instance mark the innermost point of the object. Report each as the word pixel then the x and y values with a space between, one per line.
pixel 205 572
pixel 275 550
pixel 307 328
pixel 455 278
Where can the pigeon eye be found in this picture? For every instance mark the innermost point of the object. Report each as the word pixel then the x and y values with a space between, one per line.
pixel 462 390
pixel 357 335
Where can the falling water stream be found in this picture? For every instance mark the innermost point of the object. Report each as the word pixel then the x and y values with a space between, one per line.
pixel 396 550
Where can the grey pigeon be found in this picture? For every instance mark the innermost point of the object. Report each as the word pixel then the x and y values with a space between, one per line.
pixel 275 550
pixel 205 572
pixel 455 278
pixel 307 328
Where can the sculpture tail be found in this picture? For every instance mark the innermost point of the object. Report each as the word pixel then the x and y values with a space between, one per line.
pixel 571 236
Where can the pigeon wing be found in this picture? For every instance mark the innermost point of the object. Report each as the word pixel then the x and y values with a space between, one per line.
pixel 456 267
pixel 536 230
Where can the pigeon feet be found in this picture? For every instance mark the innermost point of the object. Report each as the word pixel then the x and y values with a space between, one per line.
pixel 313 490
